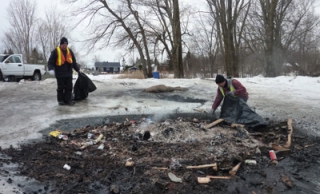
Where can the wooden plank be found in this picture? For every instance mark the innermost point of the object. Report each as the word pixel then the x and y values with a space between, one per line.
pixel 213 123
pixel 290 130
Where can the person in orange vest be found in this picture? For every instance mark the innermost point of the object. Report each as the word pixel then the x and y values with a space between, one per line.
pixel 60 65
pixel 230 87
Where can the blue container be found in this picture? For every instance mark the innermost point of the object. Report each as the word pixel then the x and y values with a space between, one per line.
pixel 156 75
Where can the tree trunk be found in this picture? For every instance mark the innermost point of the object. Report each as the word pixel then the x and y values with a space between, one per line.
pixel 177 47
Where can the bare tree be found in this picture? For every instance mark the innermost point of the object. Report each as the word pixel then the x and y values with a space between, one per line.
pixel 269 12
pixel 274 29
pixel 227 14
pixel 22 18
pixel 177 43
pixel 122 23
pixel 50 30
pixel 204 43
pixel 167 31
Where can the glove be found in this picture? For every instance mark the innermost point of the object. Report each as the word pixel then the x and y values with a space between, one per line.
pixel 213 112
pixel 230 94
pixel 51 72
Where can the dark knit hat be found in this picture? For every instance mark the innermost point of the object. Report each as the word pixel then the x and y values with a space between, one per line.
pixel 63 40
pixel 219 79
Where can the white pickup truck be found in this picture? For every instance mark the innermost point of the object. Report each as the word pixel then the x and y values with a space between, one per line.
pixel 12 67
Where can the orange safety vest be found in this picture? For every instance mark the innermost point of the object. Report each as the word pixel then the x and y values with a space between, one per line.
pixel 61 59
pixel 231 87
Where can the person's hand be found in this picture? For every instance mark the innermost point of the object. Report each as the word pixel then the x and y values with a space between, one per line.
pixel 51 72
pixel 230 94
pixel 213 112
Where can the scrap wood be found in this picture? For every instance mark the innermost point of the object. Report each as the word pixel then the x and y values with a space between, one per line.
pixel 237 125
pixel 203 166
pixel 278 147
pixel 213 123
pixel 286 180
pixel 235 169
pixel 129 163
pixel 218 177
pixel 160 168
pixel 208 178
pixel 290 130
pixel 199 110
pixel 306 146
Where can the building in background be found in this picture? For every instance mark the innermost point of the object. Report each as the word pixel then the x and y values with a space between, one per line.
pixel 108 67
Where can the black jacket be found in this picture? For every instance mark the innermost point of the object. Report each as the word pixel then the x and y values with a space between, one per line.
pixel 64 70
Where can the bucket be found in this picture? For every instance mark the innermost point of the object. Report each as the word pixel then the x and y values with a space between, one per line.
pixel 156 75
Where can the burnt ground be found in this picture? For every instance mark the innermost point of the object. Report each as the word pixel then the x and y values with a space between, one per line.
pixel 173 144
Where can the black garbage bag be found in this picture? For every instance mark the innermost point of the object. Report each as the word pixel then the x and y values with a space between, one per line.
pixel 83 87
pixel 236 110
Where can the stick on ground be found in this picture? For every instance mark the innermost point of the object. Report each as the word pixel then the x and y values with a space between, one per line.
pixel 203 166
pixel 213 123
pixel 290 130
pixel 235 169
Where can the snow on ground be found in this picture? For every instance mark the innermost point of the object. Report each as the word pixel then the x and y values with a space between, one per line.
pixel 28 107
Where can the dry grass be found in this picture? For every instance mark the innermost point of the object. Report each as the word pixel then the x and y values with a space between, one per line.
pixel 165 75
pixel 139 75
pixel 133 75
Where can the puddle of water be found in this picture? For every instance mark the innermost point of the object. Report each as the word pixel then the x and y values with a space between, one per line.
pixel 12 182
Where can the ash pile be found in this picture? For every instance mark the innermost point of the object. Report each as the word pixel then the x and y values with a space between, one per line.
pixel 181 155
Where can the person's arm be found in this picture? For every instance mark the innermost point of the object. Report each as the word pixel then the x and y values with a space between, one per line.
pixel 239 89
pixel 74 64
pixel 217 100
pixel 52 60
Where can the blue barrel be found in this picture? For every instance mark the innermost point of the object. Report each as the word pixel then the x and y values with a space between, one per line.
pixel 156 75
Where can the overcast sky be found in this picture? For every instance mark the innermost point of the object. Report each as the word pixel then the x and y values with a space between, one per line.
pixel 109 54
pixel 105 55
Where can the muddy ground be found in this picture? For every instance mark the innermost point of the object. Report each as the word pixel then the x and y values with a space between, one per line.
pixel 158 148
pixel 32 162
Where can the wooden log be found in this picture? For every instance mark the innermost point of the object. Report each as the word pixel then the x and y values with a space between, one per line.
pixel 306 146
pixel 235 169
pixel 219 177
pixel 208 178
pixel 278 147
pixel 213 123
pixel 160 168
pixel 129 163
pixel 203 166
pixel 233 125
pixel 290 130
pixel 203 180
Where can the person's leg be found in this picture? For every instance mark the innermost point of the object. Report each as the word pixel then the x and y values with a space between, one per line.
pixel 68 91
pixel 60 90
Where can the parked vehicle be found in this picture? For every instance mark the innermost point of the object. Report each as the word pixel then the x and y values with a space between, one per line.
pixel 13 68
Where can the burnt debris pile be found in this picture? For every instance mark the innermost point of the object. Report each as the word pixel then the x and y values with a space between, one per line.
pixel 181 155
